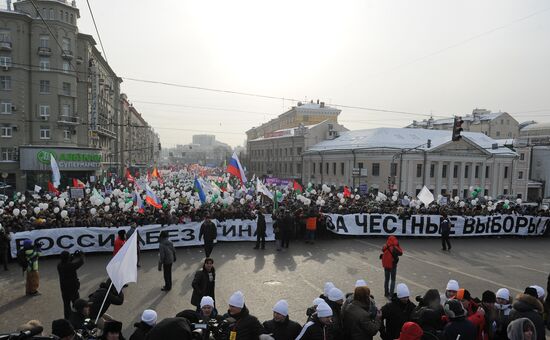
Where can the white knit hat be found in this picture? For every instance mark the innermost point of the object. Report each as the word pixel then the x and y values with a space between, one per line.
pixel 360 283
pixel 335 294
pixel 149 316
pixel 207 301
pixel 453 285
pixel 402 291
pixel 503 293
pixel 324 310
pixel 540 291
pixel 328 287
pixel 317 301
pixel 237 299
pixel 281 307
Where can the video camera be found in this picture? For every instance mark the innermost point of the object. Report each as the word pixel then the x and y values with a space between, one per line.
pixel 29 334
pixel 89 330
pixel 212 329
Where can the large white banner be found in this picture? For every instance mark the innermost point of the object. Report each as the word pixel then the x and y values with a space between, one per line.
pixel 93 239
pixel 428 225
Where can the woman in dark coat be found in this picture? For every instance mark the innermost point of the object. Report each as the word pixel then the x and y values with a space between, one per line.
pixel 204 282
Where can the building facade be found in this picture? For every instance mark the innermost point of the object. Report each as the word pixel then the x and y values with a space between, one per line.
pixel 388 159
pixel 204 150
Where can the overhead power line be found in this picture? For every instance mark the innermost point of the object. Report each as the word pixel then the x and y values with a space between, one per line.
pixel 96 30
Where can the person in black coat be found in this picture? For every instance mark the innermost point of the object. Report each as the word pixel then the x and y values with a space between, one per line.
pixel 245 325
pixel 281 327
pixel 527 305
pixel 458 326
pixel 320 325
pixel 68 279
pixel 260 230
pixel 396 313
pixel 148 321
pixel 80 313
pixel 97 297
pixel 204 282
pixel 445 230
pixel 288 225
pixel 209 231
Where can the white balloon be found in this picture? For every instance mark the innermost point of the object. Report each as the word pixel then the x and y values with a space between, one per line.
pixel 106 208
pixel 462 204
pixel 518 201
pixel 1 203
pixel 506 202
pixel 87 191
pixel 56 210
pixel 342 200
pixel 394 198
pixel 136 208
pixel 24 212
pixel 11 204
pixel 107 201
pixel 64 213
pixel 16 211
pixel 121 205
pixel 46 206
pixel 93 211
pixel 61 202
pixel 242 201
pixel 357 197
pixel 36 210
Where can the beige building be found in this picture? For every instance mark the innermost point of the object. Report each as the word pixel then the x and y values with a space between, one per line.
pixel 204 150
pixel 496 125
pixel 388 159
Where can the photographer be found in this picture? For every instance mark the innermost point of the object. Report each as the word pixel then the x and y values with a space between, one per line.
pixel 281 327
pixel 206 323
pixel 68 279
pixel 246 326
pixel 80 313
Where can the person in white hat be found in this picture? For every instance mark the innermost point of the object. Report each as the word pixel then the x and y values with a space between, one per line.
pixel 281 327
pixel 320 327
pixel 450 291
pixel 396 313
pixel 246 326
pixel 207 308
pixel 503 307
pixel 311 310
pixel 148 321
pixel 335 301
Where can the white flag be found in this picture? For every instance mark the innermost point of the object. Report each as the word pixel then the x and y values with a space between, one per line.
pixel 425 196
pixel 37 188
pixel 123 267
pixel 56 175
pixel 261 188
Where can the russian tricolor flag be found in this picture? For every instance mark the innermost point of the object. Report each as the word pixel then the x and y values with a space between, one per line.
pixel 235 168
pixel 152 199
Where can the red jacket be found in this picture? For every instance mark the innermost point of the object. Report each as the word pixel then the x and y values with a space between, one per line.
pixel 118 244
pixel 390 250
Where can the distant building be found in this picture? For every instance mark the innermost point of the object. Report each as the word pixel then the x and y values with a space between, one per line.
pixel 204 150
pixel 536 136
pixel 496 125
pixel 388 159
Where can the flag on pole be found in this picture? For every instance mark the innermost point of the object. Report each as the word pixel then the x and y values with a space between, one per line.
pixel 235 168
pixel 297 187
pixel 52 189
pixel 138 202
pixel 199 189
pixel 347 192
pixel 78 183
pixel 123 267
pixel 56 175
pixel 426 196
pixel 37 188
pixel 261 188
pixel 152 199
pixel 128 176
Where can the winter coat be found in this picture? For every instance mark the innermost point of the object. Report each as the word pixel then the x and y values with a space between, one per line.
pixel 287 329
pixel 141 331
pixel 390 253
pixel 246 326
pixel 527 306
pixel 68 279
pixel 358 322
pixel 77 319
pixel 395 314
pixel 202 286
pixel 337 322
pixel 515 329
pixel 260 225
pixel 209 231
pixel 118 244
pixel 445 226
pixel 460 327
pixel 315 330
pixel 167 253
pixel 502 321
pixel 96 299
pixel 311 223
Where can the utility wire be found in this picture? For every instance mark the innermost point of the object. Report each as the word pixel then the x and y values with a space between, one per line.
pixel 97 31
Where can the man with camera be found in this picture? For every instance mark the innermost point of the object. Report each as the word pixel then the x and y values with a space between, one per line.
pixel 245 325
pixel 68 279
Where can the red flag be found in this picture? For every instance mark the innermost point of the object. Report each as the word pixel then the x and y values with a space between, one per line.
pixel 347 192
pixel 297 187
pixel 155 173
pixel 52 189
pixel 128 176
pixel 78 183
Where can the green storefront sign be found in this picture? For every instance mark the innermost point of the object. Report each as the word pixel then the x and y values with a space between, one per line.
pixel 43 157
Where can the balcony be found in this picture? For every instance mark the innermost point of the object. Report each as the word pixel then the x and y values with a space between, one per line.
pixel 66 54
pixel 105 131
pixel 67 120
pixel 5 45
pixel 44 51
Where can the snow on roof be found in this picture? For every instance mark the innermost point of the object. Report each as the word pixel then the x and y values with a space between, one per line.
pixel 403 138
pixel 469 117
pixel 536 126
pixel 315 106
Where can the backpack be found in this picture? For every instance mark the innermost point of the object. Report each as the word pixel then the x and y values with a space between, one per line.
pixel 22 259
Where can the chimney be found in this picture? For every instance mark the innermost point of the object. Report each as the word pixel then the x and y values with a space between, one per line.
pixel 317 101
pixel 322 105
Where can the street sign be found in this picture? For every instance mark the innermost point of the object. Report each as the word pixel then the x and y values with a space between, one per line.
pixel 355 171
pixel 363 189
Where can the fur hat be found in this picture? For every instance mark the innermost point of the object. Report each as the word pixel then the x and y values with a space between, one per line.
pixel 324 310
pixel 149 317
pixel 452 285
pixel 207 301
pixel 360 283
pixel 237 299
pixel 62 328
pixel 488 297
pixel 454 309
pixel 402 291
pixel 327 288
pixel 281 307
pixel 335 294
pixel 503 293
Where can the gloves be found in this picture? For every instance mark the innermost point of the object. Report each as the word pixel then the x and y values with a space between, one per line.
pixel 266 337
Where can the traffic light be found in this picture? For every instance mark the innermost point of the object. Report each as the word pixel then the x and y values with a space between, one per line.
pixel 457 129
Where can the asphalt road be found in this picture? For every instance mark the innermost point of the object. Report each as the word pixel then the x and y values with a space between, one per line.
pixel 296 274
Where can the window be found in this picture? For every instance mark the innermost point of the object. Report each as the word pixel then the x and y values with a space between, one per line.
pixel 342 168
pixel 44 64
pixel 66 110
pixel 476 175
pixel 520 175
pixel 502 122
pixel 320 168
pixel 393 169
pixel 334 169
pixel 5 83
pixel 67 134
pixel 60 14
pixel 67 89
pixel 44 110
pixel 299 167
pixel 419 170
pixel 44 86
pixel 5 107
pixel 5 61
pixel 486 192
pixel 72 18
pixel 298 151
pixel 313 168
pixel 44 133
pixel 466 171
pixel 444 171
pixel 465 193
pixel 7 154
pixel 522 156
pixel 66 43
pixel 45 41
pixel 505 172
pixel 432 170
pixel 66 17
pixel 498 133
pixel 376 169
pixel 5 36
pixel 286 167
pixel 455 192
pixel 360 165
pixel 52 14
pixel 505 192
pixel 6 131
pixel 66 66
pixel 455 171
pixel 326 168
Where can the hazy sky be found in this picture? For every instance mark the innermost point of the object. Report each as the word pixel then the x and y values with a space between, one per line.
pixel 423 56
